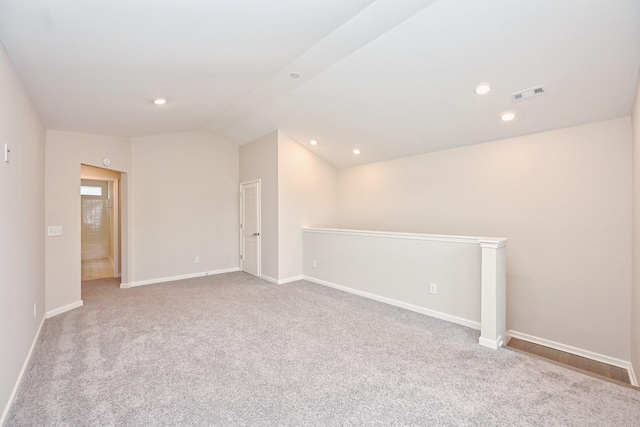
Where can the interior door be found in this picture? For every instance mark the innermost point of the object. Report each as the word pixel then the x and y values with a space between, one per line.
pixel 250 228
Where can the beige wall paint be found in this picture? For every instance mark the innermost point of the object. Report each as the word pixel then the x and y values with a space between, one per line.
pixel 561 197
pixel 65 153
pixel 308 197
pixel 184 204
pixel 259 160
pixel 635 298
pixel 21 228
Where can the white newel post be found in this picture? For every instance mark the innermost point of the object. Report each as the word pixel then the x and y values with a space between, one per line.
pixel 493 311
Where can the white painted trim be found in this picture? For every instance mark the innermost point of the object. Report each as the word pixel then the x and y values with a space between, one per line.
pixel 64 309
pixel 496 242
pixel 492 344
pixel 290 279
pixel 282 281
pixel 269 279
pixel 493 291
pixel 174 278
pixel 632 375
pixel 578 352
pixel 12 396
pixel 417 309
pixel 258 183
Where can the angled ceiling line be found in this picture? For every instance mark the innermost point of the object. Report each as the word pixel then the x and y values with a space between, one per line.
pixel 372 22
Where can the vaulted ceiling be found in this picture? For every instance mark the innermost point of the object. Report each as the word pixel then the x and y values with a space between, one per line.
pixel 391 78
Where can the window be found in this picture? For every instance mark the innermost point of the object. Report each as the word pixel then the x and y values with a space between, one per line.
pixel 88 190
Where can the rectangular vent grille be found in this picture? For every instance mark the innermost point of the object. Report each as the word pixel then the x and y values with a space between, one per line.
pixel 528 93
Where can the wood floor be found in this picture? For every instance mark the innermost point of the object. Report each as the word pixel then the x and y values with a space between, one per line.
pixel 579 362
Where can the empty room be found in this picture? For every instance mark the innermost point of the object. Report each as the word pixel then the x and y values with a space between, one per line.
pixel 320 212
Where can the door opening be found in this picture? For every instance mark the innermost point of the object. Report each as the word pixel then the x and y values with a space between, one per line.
pixel 100 223
pixel 250 227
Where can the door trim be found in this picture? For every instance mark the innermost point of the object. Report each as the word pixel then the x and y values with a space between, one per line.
pixel 259 216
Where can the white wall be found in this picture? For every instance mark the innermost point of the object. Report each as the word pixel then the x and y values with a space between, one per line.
pixel 561 197
pixel 65 152
pixel 307 197
pixel 635 299
pixel 184 205
pixel 259 160
pixel 21 228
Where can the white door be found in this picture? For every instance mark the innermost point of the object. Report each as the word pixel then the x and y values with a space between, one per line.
pixel 250 228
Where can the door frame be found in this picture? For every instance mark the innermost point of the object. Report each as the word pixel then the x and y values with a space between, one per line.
pixel 259 223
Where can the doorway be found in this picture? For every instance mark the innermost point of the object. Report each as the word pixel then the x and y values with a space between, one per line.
pixel 100 223
pixel 250 227
pixel 96 253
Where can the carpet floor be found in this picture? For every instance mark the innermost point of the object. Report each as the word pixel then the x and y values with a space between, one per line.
pixel 234 350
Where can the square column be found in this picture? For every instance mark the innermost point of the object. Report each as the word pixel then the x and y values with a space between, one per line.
pixel 493 311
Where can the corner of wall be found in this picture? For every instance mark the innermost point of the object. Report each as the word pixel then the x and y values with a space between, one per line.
pixel 307 197
pixel 635 285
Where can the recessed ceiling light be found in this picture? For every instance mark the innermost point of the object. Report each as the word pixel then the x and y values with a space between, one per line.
pixel 313 142
pixel 356 151
pixel 508 116
pixel 159 101
pixel 294 75
pixel 482 89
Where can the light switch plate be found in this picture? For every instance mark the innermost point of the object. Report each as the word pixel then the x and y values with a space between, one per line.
pixel 54 230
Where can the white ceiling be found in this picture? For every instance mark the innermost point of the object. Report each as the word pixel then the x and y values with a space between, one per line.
pixel 392 78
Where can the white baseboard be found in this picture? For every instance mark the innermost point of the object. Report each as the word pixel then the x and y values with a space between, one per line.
pixel 492 344
pixel 22 371
pixel 174 278
pixel 417 309
pixel 632 375
pixel 578 352
pixel 281 281
pixel 290 279
pixel 269 279
pixel 64 309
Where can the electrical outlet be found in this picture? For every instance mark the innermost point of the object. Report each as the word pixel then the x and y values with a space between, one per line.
pixel 433 288
pixel 35 310
pixel 197 260
pixel 315 263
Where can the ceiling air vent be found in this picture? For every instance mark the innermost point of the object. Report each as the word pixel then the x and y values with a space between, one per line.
pixel 528 93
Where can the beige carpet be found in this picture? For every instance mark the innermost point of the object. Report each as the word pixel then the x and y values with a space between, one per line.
pixel 235 350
